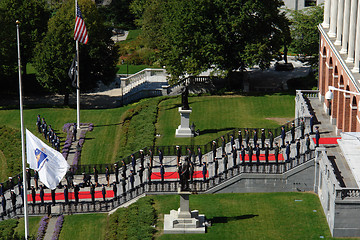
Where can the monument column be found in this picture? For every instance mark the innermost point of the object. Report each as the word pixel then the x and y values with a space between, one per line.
pixel 353 13
pixel 326 22
pixel 357 46
pixel 340 17
pixel 345 34
pixel 333 19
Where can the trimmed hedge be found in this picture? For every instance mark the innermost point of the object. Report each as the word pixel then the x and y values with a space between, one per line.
pixel 133 222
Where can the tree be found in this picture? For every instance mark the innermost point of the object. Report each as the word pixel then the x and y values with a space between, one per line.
pixel 195 35
pixel 305 33
pixel 119 14
pixel 33 17
pixel 54 54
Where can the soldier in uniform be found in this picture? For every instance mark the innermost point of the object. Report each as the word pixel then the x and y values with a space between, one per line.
pixel 317 136
pixel 103 191
pixel 36 179
pixel 255 137
pixel 277 151
pixel 287 151
pixel 161 156
pixel 141 173
pixel 96 176
pixel 115 190
pixel 151 157
pixel 298 148
pixel 38 123
pixel 267 153
pixel 234 153
pixel 42 194
pixel 302 128
pixel 76 193
pixel 292 130
pixel 240 139
pixel 3 204
pixel 204 171
pixel 257 153
pixel 149 172
pixel 133 162
pixel 312 123
pixel 142 158
pixel 232 140
pixel 216 167
pixel 200 156
pixel 123 169
pixel 132 179
pixel 214 148
pixel 92 193
pixel 250 153
pixel 247 139
pixel 116 171
pixel 13 199
pixel 191 169
pixel 178 154
pixel 33 194
pixel 53 196
pixel 107 175
pixel 223 144
pixel 123 184
pixel 271 139
pixel 225 162
pixel 263 139
pixel 162 172
pixel 243 154
pixel 307 142
pixel 66 195
pixel 283 135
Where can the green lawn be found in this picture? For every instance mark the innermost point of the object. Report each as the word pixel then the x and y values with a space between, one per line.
pixel 252 216
pixel 84 226
pixel 33 226
pixel 216 115
pixel 248 216
pixel 131 69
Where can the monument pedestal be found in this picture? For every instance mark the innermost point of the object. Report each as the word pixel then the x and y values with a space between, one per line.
pixel 183 129
pixel 183 220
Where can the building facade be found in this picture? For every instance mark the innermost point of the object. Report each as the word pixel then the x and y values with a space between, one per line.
pixel 301 4
pixel 339 62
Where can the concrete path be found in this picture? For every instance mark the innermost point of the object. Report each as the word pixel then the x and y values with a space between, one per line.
pixel 50 228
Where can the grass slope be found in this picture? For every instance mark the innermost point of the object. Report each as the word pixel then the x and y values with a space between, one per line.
pixel 33 226
pixel 84 226
pixel 216 115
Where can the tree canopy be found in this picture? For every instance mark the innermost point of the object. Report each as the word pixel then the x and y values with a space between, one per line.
pixel 195 35
pixel 55 53
pixel 33 17
pixel 305 33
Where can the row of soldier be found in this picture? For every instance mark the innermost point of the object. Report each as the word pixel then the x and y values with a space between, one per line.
pixel 48 132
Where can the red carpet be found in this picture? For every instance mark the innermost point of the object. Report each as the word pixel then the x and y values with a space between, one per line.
pixel 175 175
pixel 82 195
pixel 332 140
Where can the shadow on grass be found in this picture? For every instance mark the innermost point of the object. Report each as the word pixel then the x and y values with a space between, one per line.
pixel 215 220
pixel 108 125
pixel 215 130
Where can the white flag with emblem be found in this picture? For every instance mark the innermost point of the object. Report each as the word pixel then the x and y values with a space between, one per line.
pixel 50 164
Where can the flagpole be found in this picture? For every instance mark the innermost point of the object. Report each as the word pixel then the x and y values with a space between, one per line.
pixel 78 78
pixel 22 136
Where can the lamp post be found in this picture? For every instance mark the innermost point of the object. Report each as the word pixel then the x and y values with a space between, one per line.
pixel 329 95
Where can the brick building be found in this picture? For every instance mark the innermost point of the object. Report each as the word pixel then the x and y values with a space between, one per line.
pixel 339 62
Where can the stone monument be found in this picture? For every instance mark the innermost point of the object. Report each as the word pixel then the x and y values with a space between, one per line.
pixel 183 129
pixel 183 220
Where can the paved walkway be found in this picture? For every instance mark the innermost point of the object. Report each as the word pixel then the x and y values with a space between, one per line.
pixel 333 150
pixel 50 228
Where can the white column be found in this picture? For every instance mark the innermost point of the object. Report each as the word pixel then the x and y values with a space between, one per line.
pixel 345 34
pixel 353 13
pixel 326 22
pixel 333 18
pixel 339 27
pixel 357 44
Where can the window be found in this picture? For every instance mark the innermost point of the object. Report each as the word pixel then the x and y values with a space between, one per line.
pixel 309 3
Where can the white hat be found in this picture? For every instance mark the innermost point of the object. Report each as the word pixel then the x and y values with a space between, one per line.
pixel 214 141
pixel 141 150
pixel 177 146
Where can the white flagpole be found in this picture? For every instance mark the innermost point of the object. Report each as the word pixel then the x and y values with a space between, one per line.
pixel 78 78
pixel 22 137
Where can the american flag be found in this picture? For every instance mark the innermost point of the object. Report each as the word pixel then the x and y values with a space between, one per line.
pixel 80 33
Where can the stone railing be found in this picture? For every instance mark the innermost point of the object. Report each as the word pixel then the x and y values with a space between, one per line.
pixel 147 72
pixel 302 104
